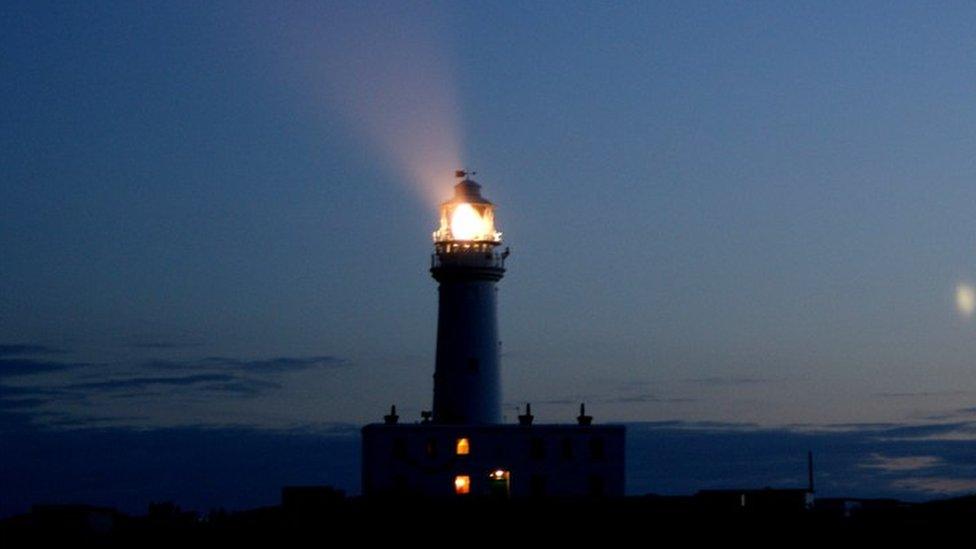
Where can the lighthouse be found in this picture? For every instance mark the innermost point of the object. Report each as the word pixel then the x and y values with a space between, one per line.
pixel 463 447
pixel 467 265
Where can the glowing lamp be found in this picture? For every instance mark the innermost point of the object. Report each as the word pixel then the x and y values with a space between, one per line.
pixel 468 217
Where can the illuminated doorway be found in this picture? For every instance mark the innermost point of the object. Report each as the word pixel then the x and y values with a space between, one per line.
pixel 499 483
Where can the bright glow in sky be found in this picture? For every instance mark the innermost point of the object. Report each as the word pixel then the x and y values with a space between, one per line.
pixel 965 300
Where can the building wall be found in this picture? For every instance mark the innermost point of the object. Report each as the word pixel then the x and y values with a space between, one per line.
pixel 542 460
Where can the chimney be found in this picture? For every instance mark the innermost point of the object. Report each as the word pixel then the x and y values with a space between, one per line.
pixel 582 418
pixel 392 417
pixel 526 419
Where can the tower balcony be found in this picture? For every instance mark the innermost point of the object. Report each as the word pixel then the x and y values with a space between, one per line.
pixel 467 261
pixel 467 254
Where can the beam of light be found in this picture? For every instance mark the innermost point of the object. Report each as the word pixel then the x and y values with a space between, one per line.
pixel 965 300
pixel 384 72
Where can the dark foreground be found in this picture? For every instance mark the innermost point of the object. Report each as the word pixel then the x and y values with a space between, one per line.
pixel 327 518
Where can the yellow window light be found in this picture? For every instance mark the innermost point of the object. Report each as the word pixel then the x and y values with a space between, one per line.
pixel 462 484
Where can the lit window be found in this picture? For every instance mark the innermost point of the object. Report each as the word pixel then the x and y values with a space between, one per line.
pixel 462 484
pixel 463 447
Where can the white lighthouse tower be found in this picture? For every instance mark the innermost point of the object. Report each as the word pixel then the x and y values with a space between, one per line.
pixel 462 449
pixel 466 264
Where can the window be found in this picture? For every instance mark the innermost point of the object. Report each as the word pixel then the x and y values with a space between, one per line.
pixel 462 484
pixel 463 447
pixel 431 448
pixel 499 474
pixel 498 483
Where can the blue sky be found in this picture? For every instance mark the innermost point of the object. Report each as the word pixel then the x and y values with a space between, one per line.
pixel 219 215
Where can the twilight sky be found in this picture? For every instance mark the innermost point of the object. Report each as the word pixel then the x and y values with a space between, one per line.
pixel 219 214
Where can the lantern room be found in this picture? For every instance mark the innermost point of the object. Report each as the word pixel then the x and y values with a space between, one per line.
pixel 467 219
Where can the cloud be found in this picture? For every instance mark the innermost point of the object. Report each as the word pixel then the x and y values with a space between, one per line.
pixel 8 391
pixel 28 349
pixel 21 403
pixel 30 397
pixel 721 381
pixel 648 398
pixel 212 376
pixel 10 367
pixel 957 431
pixel 937 485
pixel 161 345
pixel 717 426
pixel 278 364
pixel 862 427
pixel 952 414
pixel 902 463
pixel 968 411
pixel 59 420
pixel 242 387
pixel 145 382
pixel 913 394
pixel 254 366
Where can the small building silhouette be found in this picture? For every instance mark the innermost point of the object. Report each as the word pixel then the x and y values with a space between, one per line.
pixel 500 460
